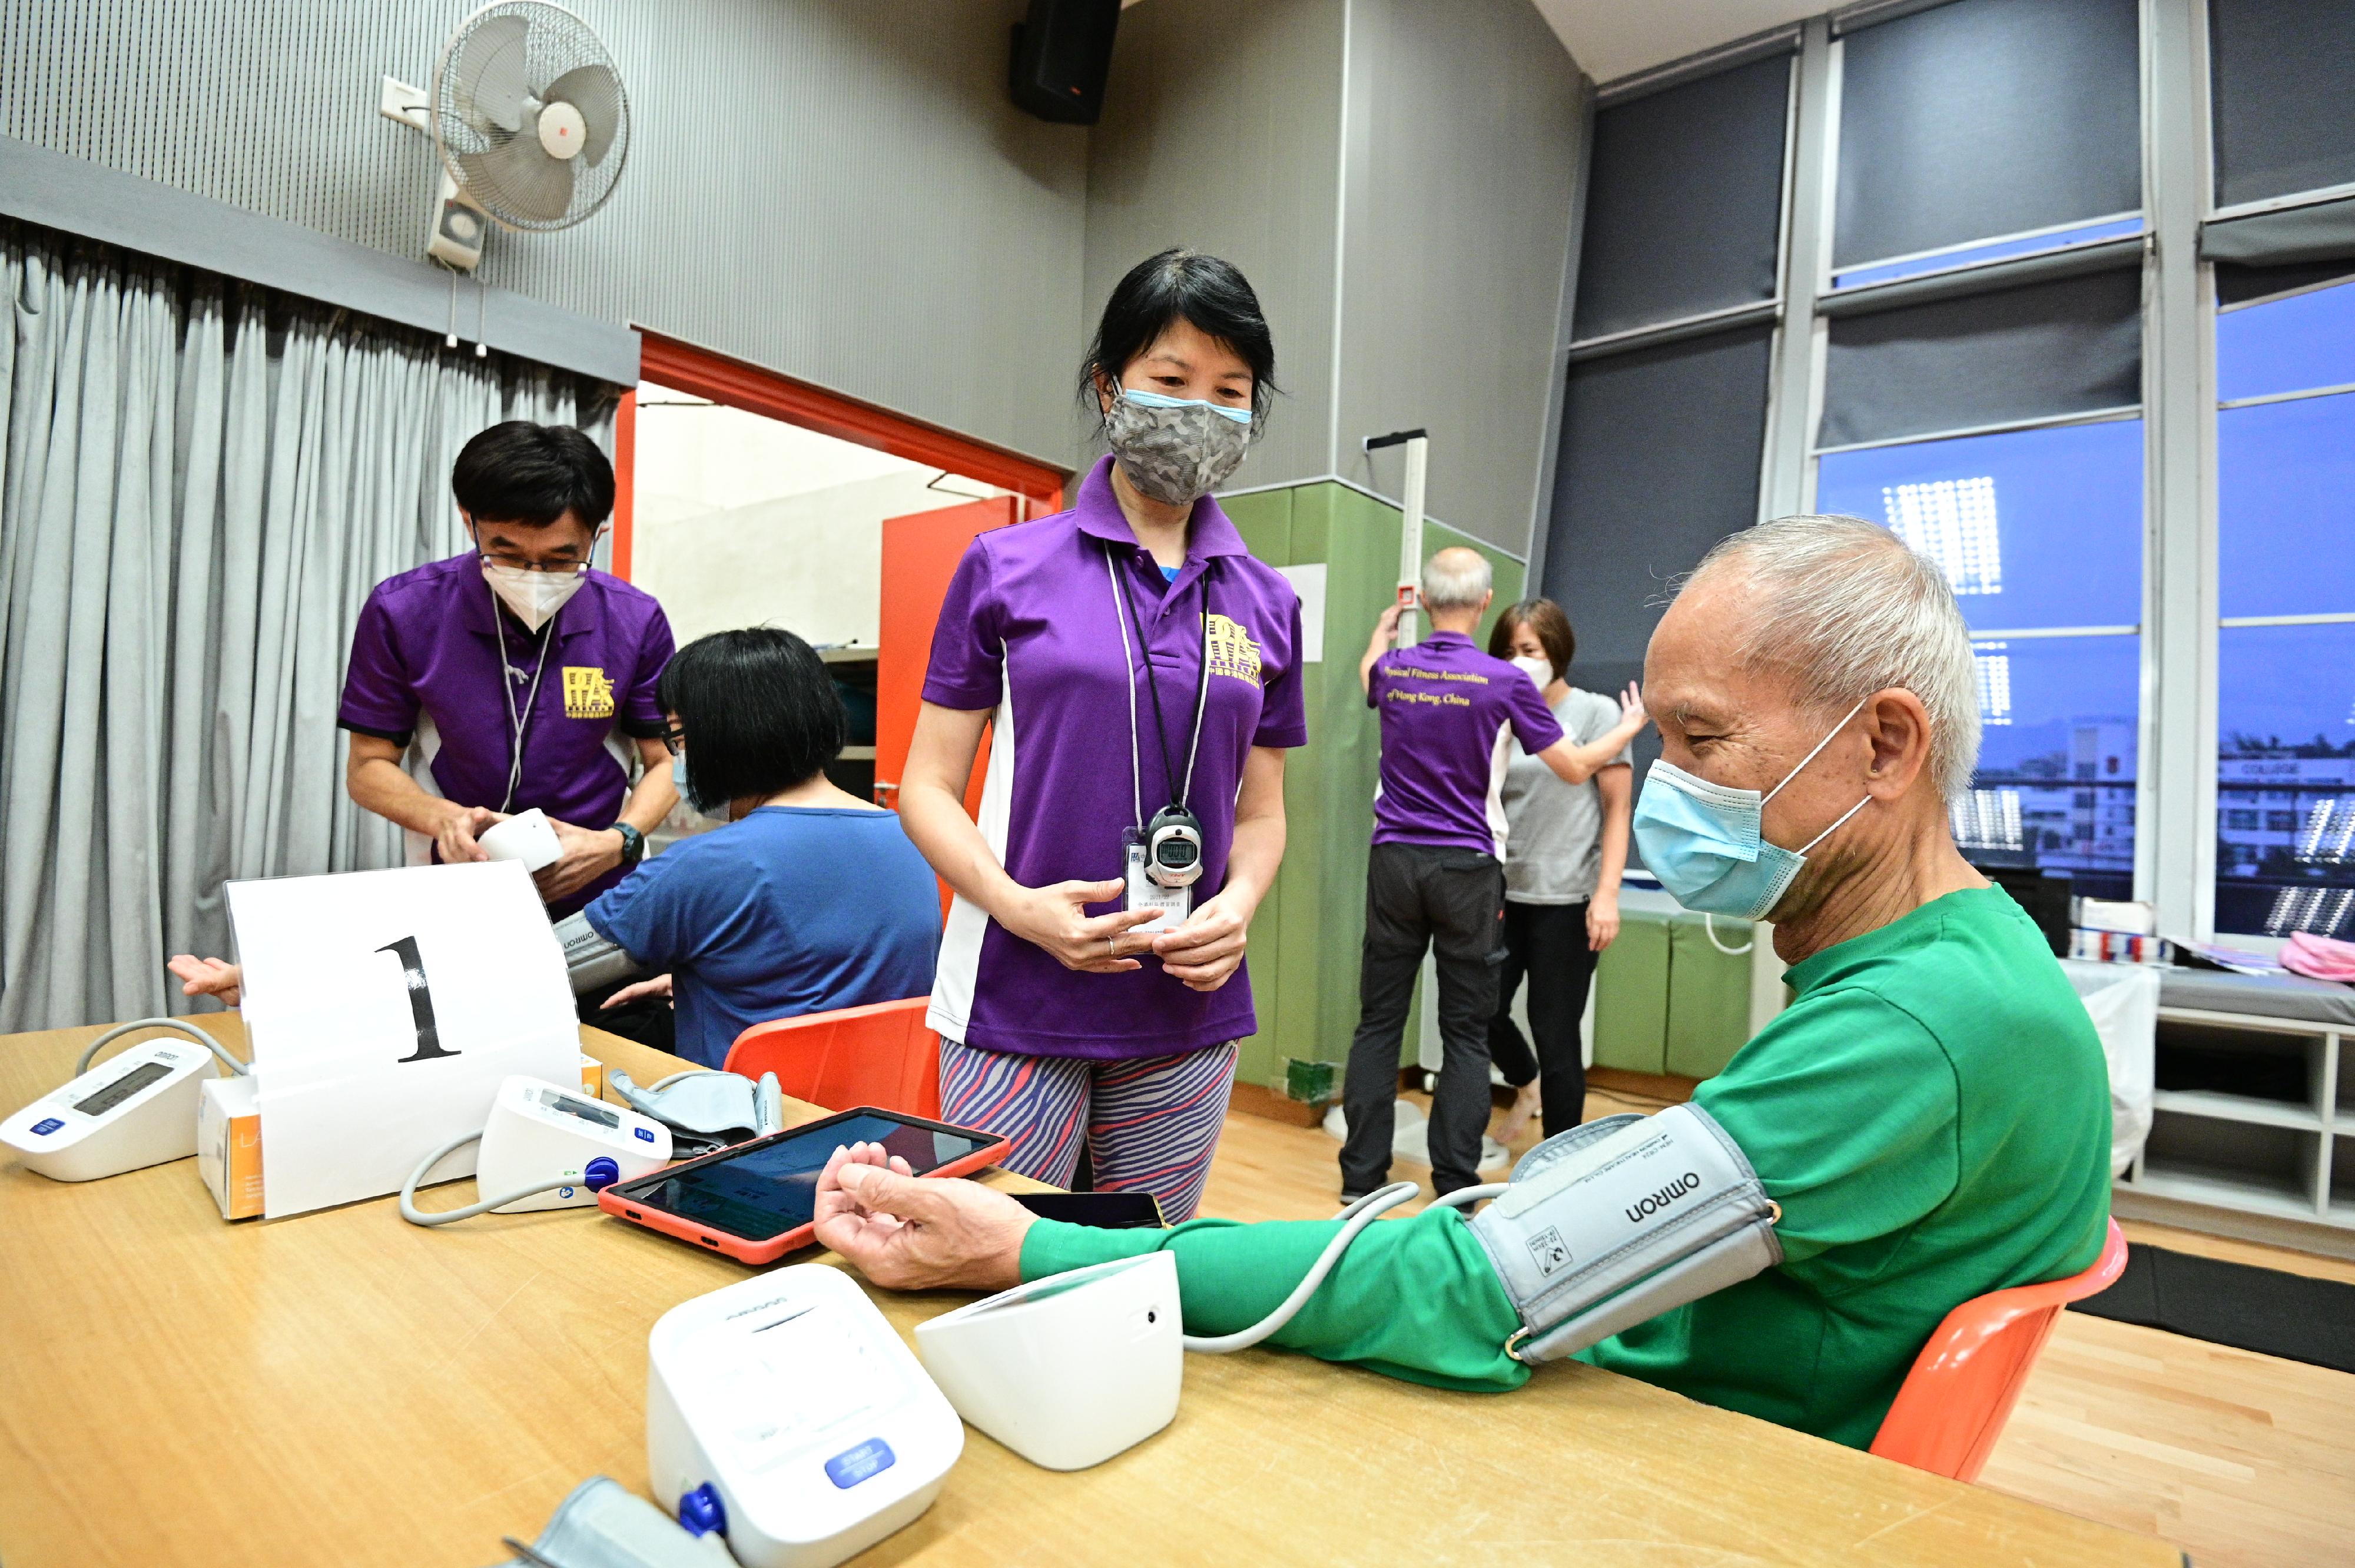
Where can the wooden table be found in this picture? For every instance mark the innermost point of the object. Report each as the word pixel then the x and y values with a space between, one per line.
pixel 341 1388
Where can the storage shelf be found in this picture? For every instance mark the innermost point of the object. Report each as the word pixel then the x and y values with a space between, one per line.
pixel 847 655
pixel 2222 1106
pixel 2279 1197
pixel 858 754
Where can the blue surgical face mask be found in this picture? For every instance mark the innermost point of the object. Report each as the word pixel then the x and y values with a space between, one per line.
pixel 1703 840
pixel 687 793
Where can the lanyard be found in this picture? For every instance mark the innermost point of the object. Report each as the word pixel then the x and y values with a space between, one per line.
pixel 506 687
pixel 1160 728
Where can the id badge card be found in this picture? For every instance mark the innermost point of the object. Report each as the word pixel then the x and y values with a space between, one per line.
pixel 1173 904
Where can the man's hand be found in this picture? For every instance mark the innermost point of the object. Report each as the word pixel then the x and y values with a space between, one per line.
pixel 658 986
pixel 1386 626
pixel 207 977
pixel 1602 920
pixel 907 1232
pixel 585 854
pixel 458 828
pixel 1057 919
pixel 1208 949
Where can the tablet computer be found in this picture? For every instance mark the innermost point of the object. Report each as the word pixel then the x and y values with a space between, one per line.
pixel 755 1201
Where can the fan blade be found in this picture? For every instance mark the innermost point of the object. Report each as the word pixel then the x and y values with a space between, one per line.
pixel 518 179
pixel 591 89
pixel 490 73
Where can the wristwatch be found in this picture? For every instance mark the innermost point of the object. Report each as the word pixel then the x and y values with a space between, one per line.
pixel 634 844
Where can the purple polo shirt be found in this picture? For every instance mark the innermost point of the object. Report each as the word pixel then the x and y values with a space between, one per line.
pixel 1029 629
pixel 1449 714
pixel 426 657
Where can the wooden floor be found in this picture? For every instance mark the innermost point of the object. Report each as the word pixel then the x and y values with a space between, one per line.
pixel 2243 1460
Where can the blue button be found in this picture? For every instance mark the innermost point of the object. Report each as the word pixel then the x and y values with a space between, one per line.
pixel 852 1465
pixel 46 1126
pixel 645 1134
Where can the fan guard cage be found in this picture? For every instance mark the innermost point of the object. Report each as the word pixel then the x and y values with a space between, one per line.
pixel 500 66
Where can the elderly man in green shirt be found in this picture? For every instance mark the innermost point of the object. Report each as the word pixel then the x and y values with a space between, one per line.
pixel 1931 1113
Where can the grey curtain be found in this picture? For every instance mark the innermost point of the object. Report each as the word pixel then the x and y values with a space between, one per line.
pixel 199 483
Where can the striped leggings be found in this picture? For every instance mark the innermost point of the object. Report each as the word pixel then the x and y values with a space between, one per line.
pixel 1151 1125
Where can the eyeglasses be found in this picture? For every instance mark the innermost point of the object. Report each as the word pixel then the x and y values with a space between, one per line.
pixel 518 564
pixel 675 739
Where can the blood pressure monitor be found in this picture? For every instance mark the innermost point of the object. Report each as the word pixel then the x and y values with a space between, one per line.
pixel 138 1109
pixel 787 1413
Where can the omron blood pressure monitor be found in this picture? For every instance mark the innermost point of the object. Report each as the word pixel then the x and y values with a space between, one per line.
pixel 784 1411
pixel 138 1109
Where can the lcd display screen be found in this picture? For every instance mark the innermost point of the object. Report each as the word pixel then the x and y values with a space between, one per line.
pixel 771 1186
pixel 124 1087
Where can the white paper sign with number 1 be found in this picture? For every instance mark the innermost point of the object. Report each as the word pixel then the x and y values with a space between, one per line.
pixel 384 1007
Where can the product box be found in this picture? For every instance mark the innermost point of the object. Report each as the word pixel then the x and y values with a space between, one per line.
pixel 228 1138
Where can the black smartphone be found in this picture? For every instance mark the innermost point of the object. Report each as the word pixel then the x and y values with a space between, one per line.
pixel 754 1200
pixel 1105 1211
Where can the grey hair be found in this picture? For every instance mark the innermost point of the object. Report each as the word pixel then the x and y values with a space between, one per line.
pixel 1456 579
pixel 1849 608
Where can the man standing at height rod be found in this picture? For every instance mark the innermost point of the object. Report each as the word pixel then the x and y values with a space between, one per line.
pixel 1436 877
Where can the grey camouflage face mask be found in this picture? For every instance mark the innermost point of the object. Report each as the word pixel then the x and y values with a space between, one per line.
pixel 1175 450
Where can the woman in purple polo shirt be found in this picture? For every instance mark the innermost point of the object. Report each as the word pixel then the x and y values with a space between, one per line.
pixel 1141 674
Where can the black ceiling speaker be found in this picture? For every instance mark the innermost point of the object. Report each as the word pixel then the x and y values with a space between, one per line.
pixel 1061 57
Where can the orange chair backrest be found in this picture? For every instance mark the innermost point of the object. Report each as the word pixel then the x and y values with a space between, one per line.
pixel 880 1055
pixel 1954 1401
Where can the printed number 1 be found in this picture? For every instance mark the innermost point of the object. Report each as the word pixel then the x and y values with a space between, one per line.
pixel 421 1001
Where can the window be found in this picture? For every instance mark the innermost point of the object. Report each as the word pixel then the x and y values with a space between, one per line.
pixel 2286 651
pixel 2008 121
pixel 2280 69
pixel 2040 532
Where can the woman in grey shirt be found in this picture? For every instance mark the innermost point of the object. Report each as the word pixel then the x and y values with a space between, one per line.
pixel 1565 846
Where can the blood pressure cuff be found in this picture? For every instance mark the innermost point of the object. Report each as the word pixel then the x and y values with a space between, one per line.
pixel 601 1525
pixel 591 960
pixel 1612 1223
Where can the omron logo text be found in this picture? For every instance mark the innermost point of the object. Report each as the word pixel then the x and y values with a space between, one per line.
pixel 1688 1183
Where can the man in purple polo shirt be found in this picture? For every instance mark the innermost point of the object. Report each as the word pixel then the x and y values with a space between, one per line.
pixel 1437 878
pixel 524 677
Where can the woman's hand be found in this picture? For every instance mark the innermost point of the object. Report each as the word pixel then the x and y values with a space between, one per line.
pixel 209 977
pixel 1208 949
pixel 1602 920
pixel 658 986
pixel 1057 919
pixel 907 1232
pixel 1631 716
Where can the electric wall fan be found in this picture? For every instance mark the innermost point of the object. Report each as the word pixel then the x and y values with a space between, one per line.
pixel 529 115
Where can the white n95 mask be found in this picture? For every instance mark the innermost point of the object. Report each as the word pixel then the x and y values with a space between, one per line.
pixel 1703 840
pixel 1176 450
pixel 534 597
pixel 1536 669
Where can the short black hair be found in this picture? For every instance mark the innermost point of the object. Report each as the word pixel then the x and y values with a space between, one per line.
pixel 1181 284
pixel 533 474
pixel 757 711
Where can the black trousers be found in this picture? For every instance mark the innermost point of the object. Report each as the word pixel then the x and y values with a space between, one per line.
pixel 1546 942
pixel 1448 900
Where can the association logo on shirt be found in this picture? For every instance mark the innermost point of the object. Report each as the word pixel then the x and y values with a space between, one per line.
pixel 1231 650
pixel 587 694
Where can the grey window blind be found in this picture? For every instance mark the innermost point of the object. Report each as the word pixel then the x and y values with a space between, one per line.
pixel 2036 351
pixel 1986 118
pixel 2240 285
pixel 1684 203
pixel 1659 460
pixel 2282 72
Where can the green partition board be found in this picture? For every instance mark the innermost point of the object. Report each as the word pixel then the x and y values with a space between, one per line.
pixel 1709 995
pixel 1305 939
pixel 1631 996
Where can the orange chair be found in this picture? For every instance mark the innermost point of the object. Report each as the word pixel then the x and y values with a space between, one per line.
pixel 880 1055
pixel 1954 1401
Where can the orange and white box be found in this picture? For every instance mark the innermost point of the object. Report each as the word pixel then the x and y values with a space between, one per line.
pixel 229 1138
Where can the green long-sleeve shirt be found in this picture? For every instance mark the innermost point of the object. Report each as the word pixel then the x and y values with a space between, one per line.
pixel 1932 1112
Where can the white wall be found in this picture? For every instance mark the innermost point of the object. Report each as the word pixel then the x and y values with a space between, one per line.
pixel 742 520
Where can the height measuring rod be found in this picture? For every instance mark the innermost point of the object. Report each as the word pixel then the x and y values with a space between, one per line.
pixel 1418 457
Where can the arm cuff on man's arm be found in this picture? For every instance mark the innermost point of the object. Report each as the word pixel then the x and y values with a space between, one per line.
pixel 1416 1298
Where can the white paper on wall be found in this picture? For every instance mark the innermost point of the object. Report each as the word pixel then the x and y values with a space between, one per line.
pixel 1308 582
pixel 384 1007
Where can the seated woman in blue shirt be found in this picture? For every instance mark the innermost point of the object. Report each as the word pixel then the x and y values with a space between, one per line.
pixel 808 900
